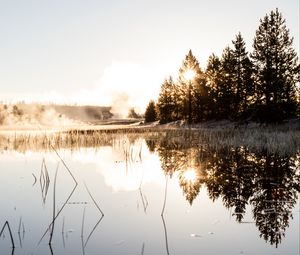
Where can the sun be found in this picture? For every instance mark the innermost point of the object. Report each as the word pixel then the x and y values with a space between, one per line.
pixel 190 175
pixel 189 74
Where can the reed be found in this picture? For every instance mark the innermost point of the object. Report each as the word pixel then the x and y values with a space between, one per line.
pixel 54 204
pixel 6 224
pixel 98 222
pixel 165 197
pixel 143 249
pixel 91 196
pixel 66 201
pixel 166 234
pixel 44 180
pixel 284 139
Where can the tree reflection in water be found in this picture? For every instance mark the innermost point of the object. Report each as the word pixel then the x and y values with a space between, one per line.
pixel 270 183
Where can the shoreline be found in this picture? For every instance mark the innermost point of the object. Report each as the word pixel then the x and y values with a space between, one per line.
pixel 138 126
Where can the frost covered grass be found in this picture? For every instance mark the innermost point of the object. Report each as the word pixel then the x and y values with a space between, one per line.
pixel 283 139
pixel 272 140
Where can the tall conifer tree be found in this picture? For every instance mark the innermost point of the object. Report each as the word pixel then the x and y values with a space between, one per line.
pixel 276 65
pixel 193 92
pixel 167 105
pixel 150 113
pixel 243 81
pixel 226 90
pixel 213 74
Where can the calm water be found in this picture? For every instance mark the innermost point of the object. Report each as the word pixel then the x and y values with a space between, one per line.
pixel 145 196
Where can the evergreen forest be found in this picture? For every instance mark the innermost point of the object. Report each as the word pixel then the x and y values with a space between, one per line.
pixel 261 85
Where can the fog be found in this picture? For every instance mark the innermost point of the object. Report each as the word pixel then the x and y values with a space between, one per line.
pixel 24 116
pixel 122 85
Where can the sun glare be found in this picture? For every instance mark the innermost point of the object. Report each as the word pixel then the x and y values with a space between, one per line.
pixel 190 175
pixel 189 74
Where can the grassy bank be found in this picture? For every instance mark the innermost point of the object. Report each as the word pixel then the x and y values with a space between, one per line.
pixel 283 139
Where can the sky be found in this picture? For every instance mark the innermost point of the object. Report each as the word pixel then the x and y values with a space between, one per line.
pixel 118 51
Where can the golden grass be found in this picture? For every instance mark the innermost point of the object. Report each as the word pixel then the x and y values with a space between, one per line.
pixel 282 139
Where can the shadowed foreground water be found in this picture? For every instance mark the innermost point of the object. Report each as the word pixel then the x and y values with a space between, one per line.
pixel 139 195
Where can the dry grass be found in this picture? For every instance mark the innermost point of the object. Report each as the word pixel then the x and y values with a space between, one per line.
pixel 284 139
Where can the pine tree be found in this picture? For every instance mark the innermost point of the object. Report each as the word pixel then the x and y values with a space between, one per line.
pixel 276 65
pixel 193 90
pixel 226 90
pixel 213 74
pixel 150 113
pixel 243 82
pixel 166 105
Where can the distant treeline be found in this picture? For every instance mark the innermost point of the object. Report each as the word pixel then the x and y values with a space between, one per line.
pixel 261 86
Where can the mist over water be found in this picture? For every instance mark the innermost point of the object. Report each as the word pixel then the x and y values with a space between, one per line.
pixel 122 85
pixel 20 116
pixel 126 85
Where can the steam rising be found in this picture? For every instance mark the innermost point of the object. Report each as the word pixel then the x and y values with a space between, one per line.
pixel 24 116
pixel 122 85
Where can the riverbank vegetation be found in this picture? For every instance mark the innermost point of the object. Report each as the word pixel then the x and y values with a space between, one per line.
pixel 282 139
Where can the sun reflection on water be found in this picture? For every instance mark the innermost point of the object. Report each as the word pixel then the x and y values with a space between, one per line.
pixel 190 175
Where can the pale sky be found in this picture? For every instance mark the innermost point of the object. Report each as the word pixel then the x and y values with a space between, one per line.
pixel 99 52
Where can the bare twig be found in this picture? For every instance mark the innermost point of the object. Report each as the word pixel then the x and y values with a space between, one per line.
pixel 82 224
pixel 82 227
pixel 23 228
pixel 162 216
pixel 20 223
pixel 20 239
pixel 60 210
pixel 63 231
pixel 64 163
pixel 63 226
pixel 165 198
pixel 50 247
pixel 94 228
pixel 68 198
pixel 144 200
pixel 166 234
pixel 143 248
pixel 93 200
pixel 10 233
pixel 35 179
pixel 102 215
pixel 54 198
pixel 44 180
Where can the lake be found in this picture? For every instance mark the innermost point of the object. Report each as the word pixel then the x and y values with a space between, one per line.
pixel 146 194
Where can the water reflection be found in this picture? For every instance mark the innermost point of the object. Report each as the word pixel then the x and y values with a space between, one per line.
pixel 270 183
pixel 266 183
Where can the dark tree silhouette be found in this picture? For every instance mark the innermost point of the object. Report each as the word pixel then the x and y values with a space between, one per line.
pixel 226 93
pixel 167 104
pixel 213 75
pixel 193 91
pixel 261 88
pixel 276 66
pixel 150 113
pixel 243 79
pixel 275 194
